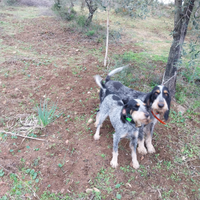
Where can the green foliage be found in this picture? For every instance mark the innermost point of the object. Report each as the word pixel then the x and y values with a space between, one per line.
pixel 137 8
pixel 142 57
pixel 46 115
pixel 64 12
pixel 1 173
pixel 180 94
pixel 81 20
pixel 90 33
pixel 10 2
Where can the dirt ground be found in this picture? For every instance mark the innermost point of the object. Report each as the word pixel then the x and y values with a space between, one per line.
pixel 44 60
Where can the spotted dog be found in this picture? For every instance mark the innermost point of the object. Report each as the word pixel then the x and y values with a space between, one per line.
pixel 126 117
pixel 157 101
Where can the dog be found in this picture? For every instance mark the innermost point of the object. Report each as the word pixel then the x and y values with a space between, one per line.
pixel 158 101
pixel 126 116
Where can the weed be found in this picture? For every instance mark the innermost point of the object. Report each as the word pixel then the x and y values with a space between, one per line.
pixel 46 115
pixel 81 20
pixel 90 33
pixel 1 172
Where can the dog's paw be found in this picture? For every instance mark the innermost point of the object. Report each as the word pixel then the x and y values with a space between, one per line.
pixel 142 150
pixel 113 163
pixel 151 149
pixel 95 124
pixel 96 137
pixel 135 164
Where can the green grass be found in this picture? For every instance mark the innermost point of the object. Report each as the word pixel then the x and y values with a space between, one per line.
pixel 46 115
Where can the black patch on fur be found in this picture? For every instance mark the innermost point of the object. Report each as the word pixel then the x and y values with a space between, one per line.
pixel 141 134
pixel 131 105
pixel 116 98
pixel 125 101
pixel 107 78
pixel 117 85
pixel 168 100
pixel 120 103
pixel 104 93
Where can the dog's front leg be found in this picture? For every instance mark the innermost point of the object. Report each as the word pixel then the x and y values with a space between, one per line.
pixel 141 148
pixel 149 134
pixel 96 135
pixel 133 145
pixel 97 119
pixel 114 161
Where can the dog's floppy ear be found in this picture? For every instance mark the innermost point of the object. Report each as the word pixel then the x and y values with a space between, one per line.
pixel 123 114
pixel 148 99
pixel 125 101
pixel 166 115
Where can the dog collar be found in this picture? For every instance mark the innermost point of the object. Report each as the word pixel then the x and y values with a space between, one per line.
pixel 129 118
pixel 158 118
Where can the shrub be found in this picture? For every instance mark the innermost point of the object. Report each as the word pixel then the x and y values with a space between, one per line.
pixel 10 2
pixel 90 33
pixel 81 20
pixel 64 12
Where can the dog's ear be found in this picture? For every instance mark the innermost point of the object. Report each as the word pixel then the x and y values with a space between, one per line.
pixel 123 114
pixel 148 99
pixel 166 115
pixel 125 101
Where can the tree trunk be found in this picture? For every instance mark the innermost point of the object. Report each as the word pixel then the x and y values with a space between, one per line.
pixel 181 20
pixel 92 7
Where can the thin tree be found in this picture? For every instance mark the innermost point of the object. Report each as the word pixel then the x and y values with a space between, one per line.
pixel 181 21
pixel 92 7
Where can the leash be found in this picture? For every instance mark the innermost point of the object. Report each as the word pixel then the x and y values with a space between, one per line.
pixel 158 118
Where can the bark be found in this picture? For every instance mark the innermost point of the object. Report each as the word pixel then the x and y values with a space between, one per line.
pixel 92 6
pixel 181 20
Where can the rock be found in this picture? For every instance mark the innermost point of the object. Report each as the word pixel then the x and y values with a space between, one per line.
pixel 62 190
pixel 128 185
pixel 181 109
pixel 89 121
pixel 89 190
pixel 96 190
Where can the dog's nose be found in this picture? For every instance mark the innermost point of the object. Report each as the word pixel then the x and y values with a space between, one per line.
pixel 160 105
pixel 146 115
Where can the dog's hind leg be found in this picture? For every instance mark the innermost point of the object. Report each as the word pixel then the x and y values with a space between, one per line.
pixel 114 161
pixel 101 118
pixel 133 146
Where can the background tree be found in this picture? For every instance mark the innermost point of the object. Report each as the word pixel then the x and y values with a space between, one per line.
pixel 181 20
pixel 92 7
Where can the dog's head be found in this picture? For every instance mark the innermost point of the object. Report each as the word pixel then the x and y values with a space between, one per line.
pixel 159 100
pixel 137 110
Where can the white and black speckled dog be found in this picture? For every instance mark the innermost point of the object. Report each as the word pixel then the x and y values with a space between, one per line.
pixel 126 118
pixel 158 101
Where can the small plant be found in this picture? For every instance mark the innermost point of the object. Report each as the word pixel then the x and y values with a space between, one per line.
pixel 45 115
pixel 90 33
pixel 11 2
pixel 1 173
pixel 81 20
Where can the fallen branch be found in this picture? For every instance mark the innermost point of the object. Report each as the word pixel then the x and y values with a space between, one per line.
pixel 14 134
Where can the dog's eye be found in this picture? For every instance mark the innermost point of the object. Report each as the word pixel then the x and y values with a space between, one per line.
pixel 166 94
pixel 138 105
pixel 156 93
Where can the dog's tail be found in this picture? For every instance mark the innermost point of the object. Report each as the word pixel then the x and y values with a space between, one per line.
pixel 99 82
pixel 103 92
pixel 119 69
